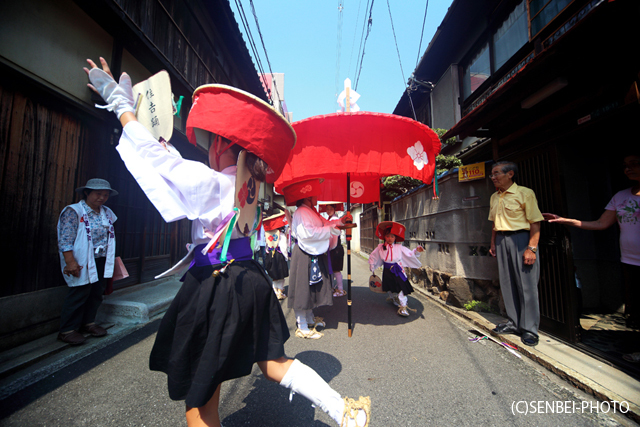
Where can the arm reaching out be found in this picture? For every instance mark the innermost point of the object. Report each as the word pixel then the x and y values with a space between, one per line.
pixel 606 220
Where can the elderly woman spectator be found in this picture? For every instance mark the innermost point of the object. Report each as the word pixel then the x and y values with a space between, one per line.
pixel 87 245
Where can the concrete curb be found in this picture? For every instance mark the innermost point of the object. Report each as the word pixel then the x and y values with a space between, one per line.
pixel 122 313
pixel 575 378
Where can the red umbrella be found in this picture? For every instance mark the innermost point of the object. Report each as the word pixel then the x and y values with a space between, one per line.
pixel 352 151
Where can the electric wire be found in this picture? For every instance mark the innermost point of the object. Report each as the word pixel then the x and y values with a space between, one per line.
pixel 355 32
pixel 339 46
pixel 400 60
pixel 422 33
pixel 368 26
pixel 412 87
pixel 255 16
pixel 245 24
pixel 364 26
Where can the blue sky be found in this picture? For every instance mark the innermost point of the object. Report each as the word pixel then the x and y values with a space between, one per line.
pixel 301 40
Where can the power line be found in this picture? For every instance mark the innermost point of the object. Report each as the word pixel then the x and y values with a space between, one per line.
pixel 355 31
pixel 339 46
pixel 396 42
pixel 255 16
pixel 400 62
pixel 369 22
pixel 422 33
pixel 245 24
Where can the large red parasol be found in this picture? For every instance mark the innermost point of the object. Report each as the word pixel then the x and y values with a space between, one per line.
pixel 352 151
pixel 366 145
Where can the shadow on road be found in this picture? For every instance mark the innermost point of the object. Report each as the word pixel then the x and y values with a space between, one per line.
pixel 368 308
pixel 33 392
pixel 271 401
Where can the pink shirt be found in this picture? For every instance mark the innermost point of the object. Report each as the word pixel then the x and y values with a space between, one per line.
pixel 627 207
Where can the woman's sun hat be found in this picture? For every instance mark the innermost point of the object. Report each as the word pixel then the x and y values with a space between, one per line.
pixel 97 184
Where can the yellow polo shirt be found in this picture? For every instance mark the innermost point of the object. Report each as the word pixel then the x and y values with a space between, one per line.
pixel 514 209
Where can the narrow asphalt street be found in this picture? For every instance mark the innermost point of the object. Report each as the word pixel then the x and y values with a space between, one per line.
pixel 419 371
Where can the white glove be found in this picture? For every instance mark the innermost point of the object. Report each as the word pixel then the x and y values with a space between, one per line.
pixel 119 96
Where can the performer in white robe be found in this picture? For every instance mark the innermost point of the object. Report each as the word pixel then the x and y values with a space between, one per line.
pixel 225 317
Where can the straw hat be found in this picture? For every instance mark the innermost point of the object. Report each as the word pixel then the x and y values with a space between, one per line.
pixel 244 120
pixel 302 190
pixel 274 222
pixel 395 228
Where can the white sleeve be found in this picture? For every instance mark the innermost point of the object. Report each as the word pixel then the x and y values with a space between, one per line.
pixel 375 260
pixel 409 258
pixel 178 188
pixel 309 233
pixel 282 244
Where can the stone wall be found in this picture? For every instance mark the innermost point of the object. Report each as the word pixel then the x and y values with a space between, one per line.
pixel 458 290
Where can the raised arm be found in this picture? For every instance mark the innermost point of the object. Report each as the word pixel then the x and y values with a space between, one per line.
pixel 118 95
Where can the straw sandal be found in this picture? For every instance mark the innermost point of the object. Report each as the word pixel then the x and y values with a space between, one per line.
pixel 352 409
pixel 317 322
pixel 403 310
pixel 394 300
pixel 339 293
pixel 311 334
pixel 280 294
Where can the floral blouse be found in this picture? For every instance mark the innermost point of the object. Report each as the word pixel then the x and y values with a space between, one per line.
pixel 69 230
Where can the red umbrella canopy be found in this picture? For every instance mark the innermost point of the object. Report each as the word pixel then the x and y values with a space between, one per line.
pixel 367 145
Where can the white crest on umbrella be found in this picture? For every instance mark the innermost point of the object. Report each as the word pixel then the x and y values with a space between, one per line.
pixel 357 189
pixel 418 155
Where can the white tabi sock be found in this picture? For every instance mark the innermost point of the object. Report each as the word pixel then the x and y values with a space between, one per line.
pixel 303 380
pixel 403 299
pixel 338 276
pixel 310 317
pixel 301 319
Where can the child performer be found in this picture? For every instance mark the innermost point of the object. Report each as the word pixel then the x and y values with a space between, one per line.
pixel 336 251
pixel 394 257
pixel 277 252
pixel 225 317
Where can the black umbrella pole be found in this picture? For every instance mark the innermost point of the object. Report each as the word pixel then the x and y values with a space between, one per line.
pixel 348 233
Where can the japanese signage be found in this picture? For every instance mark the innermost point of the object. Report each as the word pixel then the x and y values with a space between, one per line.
pixel 471 172
pixel 153 105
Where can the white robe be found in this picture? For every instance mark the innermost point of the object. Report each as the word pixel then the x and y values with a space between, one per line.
pixel 177 187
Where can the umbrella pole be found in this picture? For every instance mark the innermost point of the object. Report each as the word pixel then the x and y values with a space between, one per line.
pixel 348 233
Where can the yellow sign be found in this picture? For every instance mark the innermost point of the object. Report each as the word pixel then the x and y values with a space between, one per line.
pixel 471 172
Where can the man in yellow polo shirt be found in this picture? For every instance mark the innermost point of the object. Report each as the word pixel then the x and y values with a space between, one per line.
pixel 514 240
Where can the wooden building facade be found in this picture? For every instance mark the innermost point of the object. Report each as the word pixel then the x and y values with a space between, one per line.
pixel 548 85
pixel 52 139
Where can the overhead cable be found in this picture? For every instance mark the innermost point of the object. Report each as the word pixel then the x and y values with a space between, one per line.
pixel 339 46
pixel 368 24
pixel 255 16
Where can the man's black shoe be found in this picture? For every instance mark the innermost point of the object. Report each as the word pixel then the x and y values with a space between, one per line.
pixel 529 339
pixel 506 328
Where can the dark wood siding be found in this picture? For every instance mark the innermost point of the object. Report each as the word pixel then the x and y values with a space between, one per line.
pixel 45 153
